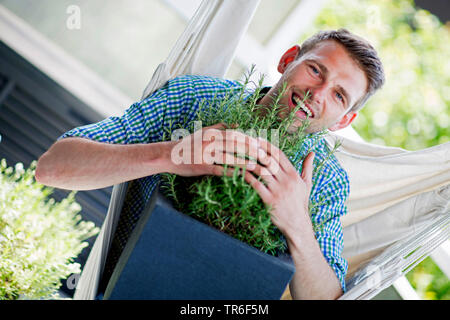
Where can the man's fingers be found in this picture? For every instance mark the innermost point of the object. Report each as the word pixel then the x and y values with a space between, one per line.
pixel 213 155
pixel 269 162
pixel 277 155
pixel 266 176
pixel 220 125
pixel 260 188
pixel 231 142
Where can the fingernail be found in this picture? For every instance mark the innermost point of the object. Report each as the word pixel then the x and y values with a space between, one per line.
pixel 251 165
pixel 261 153
pixel 254 143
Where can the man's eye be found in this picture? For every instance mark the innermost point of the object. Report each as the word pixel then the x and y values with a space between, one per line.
pixel 315 70
pixel 339 96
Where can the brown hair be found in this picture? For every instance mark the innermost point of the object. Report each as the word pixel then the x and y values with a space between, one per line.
pixel 362 53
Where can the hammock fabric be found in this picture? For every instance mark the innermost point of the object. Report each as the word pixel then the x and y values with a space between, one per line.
pixel 399 211
pixel 399 201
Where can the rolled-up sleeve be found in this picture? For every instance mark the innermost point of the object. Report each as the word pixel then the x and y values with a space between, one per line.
pixel 330 192
pixel 330 239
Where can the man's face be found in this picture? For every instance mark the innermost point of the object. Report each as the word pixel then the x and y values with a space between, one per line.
pixel 334 82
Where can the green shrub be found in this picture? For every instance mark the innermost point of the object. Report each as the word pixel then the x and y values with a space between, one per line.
pixel 429 281
pixel 39 237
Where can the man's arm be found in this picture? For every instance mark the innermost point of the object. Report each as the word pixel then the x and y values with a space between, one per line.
pixel 83 164
pixel 314 278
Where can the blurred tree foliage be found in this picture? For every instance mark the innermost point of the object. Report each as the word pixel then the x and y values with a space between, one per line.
pixel 412 110
pixel 429 281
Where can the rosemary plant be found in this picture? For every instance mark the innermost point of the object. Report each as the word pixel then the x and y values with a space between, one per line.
pixel 227 203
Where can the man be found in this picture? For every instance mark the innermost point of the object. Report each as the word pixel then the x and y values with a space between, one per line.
pixel 335 71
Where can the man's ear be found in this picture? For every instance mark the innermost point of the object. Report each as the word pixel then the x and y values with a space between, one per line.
pixel 287 58
pixel 344 122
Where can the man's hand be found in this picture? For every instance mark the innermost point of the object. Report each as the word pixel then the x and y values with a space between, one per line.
pixel 205 152
pixel 282 188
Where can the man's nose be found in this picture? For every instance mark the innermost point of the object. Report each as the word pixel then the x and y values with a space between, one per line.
pixel 318 94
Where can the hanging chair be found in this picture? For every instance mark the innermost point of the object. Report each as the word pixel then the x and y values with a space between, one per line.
pixel 398 210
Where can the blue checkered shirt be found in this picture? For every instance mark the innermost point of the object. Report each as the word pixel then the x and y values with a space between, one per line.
pixel 177 102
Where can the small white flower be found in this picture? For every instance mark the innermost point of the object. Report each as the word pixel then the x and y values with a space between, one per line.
pixel 75 207
pixel 19 168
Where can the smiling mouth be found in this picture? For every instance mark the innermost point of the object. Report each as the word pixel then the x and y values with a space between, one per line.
pixel 296 100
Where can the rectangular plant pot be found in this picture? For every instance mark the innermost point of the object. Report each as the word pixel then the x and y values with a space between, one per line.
pixel 173 256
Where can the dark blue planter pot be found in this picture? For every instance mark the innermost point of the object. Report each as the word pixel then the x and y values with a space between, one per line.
pixel 173 256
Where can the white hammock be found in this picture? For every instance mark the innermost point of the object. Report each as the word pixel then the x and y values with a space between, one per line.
pixel 399 200
pixel 399 211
